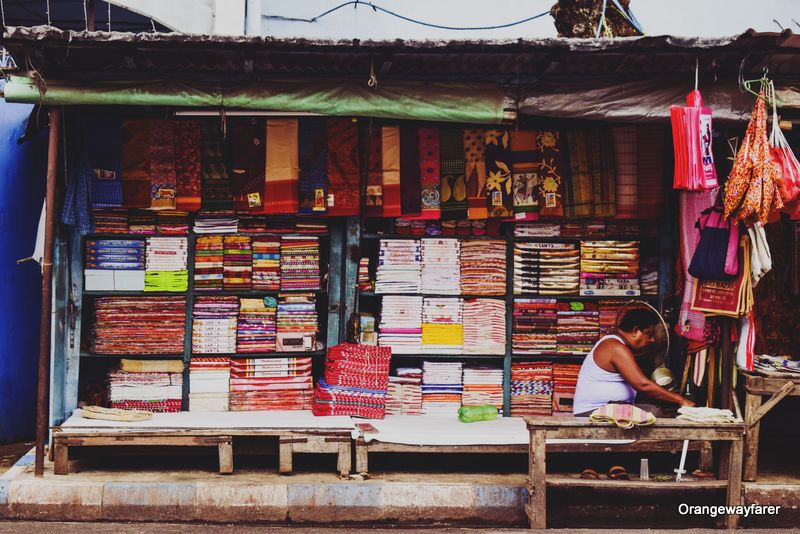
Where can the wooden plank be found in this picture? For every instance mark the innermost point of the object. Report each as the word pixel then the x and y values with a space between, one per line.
pixel 225 450
pixel 285 458
pixel 145 431
pixel 344 462
pixel 572 481
pixel 706 456
pixel 778 396
pixel 168 441
pixel 362 459
pixel 646 433
pixel 767 386
pixel 751 405
pixel 61 459
pixel 584 422
pixel 734 494
pixel 537 471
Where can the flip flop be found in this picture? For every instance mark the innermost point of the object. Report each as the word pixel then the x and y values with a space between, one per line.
pixel 589 473
pixel 617 472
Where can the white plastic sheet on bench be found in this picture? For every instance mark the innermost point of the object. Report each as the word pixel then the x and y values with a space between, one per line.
pixel 290 420
pixel 445 430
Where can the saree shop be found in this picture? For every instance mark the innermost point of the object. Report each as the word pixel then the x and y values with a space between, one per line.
pixel 248 243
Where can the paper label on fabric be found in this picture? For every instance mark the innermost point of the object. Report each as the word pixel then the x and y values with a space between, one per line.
pixel 550 200
pixel 254 200
pixel 165 192
pixel 331 198
pixel 105 174
pixel 520 215
pixel 497 198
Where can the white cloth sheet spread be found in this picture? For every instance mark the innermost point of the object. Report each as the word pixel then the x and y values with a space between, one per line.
pixel 448 430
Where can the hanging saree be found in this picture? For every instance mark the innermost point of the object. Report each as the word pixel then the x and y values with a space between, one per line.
pixel 498 174
pixel 344 176
pixel 135 163
pixel 410 180
pixel 312 142
pixel 103 144
pixel 602 164
pixel 552 166
pixel 524 176
pixel 390 170
pixel 475 169
pixel 625 154
pixel 282 170
pixel 451 168
pixel 215 190
pixel 373 198
pixel 428 139
pixel 247 137
pixel 187 165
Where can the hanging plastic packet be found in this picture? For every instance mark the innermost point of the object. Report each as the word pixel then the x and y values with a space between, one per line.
pixel 473 414
pixel 785 161
pixel 691 139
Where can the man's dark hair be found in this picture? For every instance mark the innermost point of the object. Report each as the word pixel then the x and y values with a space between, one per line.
pixel 638 318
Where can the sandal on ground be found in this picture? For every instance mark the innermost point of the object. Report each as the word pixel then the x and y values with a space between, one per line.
pixel 699 473
pixel 589 473
pixel 618 472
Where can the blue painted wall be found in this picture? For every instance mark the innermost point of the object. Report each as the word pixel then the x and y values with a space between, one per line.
pixel 22 181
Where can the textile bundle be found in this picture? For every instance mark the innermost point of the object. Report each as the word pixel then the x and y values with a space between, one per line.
pixel 216 222
pixel 440 266
pixel 429 169
pixel 209 383
pixel 208 263
pixel 484 326
pixel 499 198
pixel 483 267
pixel 138 325
pixel 610 268
pixel 271 384
pixel 114 265
pixel 237 262
pixel 214 325
pixel 442 325
pixel 102 142
pixel 344 185
pixel 166 264
pixel 404 392
pixel 170 222
pixel 400 328
pixel 297 323
pixel 152 392
pixel 531 388
pixel 256 329
pixel 355 381
pixel 577 324
pixel 546 268
pixel 300 263
pixel 266 263
pixel 483 386
pixel 535 326
pixel 565 379
pixel 399 266
pixel 442 387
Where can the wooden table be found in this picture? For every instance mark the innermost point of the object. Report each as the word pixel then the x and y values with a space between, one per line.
pixel 756 386
pixel 542 428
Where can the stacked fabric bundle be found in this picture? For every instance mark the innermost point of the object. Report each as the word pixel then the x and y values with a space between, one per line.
pixel 237 263
pixel 535 326
pixel 271 384
pixel 152 392
pixel 404 395
pixel 299 263
pixel 172 222
pixel 442 326
pixel 208 263
pixel 546 268
pixel 483 267
pixel 142 222
pixel 297 323
pixel 355 381
pixel 364 283
pixel 648 277
pixel 442 387
pixel 578 326
pixel 610 268
pixel 216 222
pixel 110 221
pixel 401 324
pixel 214 325
pixel 209 383
pixel 609 310
pixel 399 266
pixel 531 388
pixel 166 264
pixel 114 264
pixel 530 229
pixel 250 223
pixel 266 263
pixel 440 266
pixel 483 385
pixel 256 329
pixel 138 325
pixel 565 378
pixel 484 326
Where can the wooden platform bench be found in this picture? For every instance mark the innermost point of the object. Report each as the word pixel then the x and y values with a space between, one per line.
pixel 542 429
pixel 445 436
pixel 757 386
pixel 320 435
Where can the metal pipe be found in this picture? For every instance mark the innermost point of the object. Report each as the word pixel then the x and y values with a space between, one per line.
pixel 42 398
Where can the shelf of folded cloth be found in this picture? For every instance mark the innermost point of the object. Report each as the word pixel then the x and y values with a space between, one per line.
pixel 452 356
pixel 586 297
pixel 134 356
pixel 549 356
pixel 110 293
pixel 409 236
pixel 253 355
pixel 253 292
pixel 433 295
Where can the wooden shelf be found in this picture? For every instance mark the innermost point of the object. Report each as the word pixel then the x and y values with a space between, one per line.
pixel 433 295
pixel 465 237
pixel 132 356
pixel 135 293
pixel 584 297
pixel 257 355
pixel 457 356
pixel 564 480
pixel 251 292
pixel 548 356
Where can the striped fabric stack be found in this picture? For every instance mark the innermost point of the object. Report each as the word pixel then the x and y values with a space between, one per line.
pixel 237 264
pixel 442 326
pixel 535 326
pixel 216 222
pixel 609 310
pixel 531 388
pixel 110 221
pixel 208 263
pixel 484 326
pixel 546 268
pixel 404 395
pixel 483 267
pixel 152 392
pixel 399 266
pixel 300 263
pixel 440 266
pixel 172 222
pixel 483 385
pixel 209 383
pixel 166 264
pixel 214 325
pixel 355 381
pixel 266 263
pixel 138 325
pixel 578 326
pixel 257 326
pixel 271 384
pixel 610 268
pixel 565 378
pixel 401 324
pixel 297 323
pixel 442 388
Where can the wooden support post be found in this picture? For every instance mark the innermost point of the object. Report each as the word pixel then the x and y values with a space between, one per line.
pixel 537 471
pixel 751 405
pixel 362 457
pixel 734 493
pixel 284 458
pixel 706 456
pixel 225 449
pixel 61 459
pixel 776 397
pixel 344 462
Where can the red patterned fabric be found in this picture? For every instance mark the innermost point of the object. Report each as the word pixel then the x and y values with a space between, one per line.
pixel 187 165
